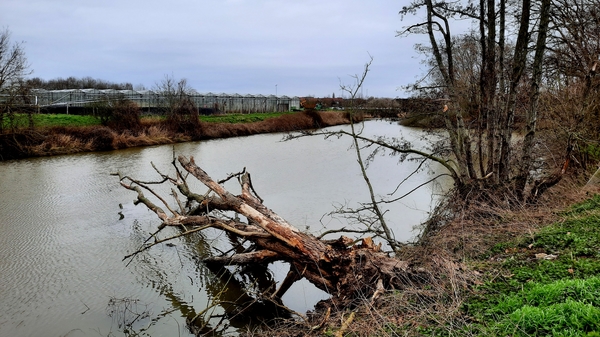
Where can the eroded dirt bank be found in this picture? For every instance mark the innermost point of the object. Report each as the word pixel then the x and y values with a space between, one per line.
pixel 65 140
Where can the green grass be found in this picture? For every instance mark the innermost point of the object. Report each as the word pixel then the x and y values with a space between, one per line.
pixel 529 296
pixel 50 120
pixel 242 118
pixel 234 118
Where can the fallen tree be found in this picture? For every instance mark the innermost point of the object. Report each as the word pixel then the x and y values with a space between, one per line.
pixel 349 270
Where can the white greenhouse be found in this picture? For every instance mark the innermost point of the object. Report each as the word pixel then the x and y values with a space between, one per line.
pixel 150 101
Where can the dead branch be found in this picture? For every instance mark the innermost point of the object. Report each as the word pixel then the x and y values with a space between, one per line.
pixel 344 268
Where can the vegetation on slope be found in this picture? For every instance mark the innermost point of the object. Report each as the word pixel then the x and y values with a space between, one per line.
pixel 62 134
pixel 545 284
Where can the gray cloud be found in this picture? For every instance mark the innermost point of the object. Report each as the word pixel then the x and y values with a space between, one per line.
pixel 243 46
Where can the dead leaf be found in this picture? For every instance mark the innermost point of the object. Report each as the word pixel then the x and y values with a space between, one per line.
pixel 544 256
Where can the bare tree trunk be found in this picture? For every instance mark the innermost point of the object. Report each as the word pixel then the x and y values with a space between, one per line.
pixel 532 112
pixel 494 132
pixel 489 76
pixel 518 67
pixel 459 137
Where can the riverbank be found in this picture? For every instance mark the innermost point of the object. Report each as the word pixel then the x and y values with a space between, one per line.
pixel 530 271
pixel 55 140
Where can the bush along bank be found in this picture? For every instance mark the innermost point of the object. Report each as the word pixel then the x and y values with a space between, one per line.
pixel 117 134
pixel 546 284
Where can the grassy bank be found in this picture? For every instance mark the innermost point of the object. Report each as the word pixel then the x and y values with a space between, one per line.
pixel 534 278
pixel 63 134
pixel 52 120
pixel 544 284
pixel 49 120
pixel 243 118
pixel 231 118
pixel 528 271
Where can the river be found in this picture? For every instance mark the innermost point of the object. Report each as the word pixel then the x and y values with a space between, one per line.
pixel 67 224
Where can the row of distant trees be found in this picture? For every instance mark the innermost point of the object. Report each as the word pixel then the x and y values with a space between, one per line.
pixel 76 83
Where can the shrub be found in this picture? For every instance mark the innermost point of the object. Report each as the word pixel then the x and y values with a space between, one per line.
pixel 125 116
pixel 184 119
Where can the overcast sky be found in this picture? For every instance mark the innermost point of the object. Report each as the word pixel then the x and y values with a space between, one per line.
pixel 297 47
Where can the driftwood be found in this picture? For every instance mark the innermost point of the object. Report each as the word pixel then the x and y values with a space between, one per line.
pixel 348 270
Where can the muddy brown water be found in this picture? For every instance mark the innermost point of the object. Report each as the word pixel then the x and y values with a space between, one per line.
pixel 66 225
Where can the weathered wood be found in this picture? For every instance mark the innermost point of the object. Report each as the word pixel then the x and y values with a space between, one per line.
pixel 345 271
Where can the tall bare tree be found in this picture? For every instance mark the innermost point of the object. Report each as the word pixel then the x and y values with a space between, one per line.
pixel 572 96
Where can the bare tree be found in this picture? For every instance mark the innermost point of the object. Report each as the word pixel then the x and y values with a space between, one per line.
pixel 13 90
pixel 480 136
pixel 173 92
pixel 572 96
pixel 176 103
pixel 78 83
pixel 13 62
pixel 374 205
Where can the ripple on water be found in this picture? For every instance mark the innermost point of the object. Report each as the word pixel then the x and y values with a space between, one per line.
pixel 56 255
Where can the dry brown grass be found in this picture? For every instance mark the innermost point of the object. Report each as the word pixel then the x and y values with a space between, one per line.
pixel 61 144
pixel 153 135
pixel 477 226
pixel 158 134
pixel 334 118
pixel 397 313
pixel 284 123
